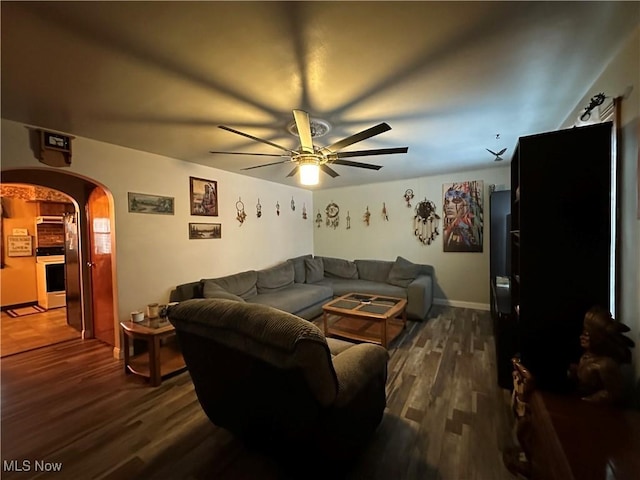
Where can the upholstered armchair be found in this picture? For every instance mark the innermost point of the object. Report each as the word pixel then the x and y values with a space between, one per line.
pixel 273 379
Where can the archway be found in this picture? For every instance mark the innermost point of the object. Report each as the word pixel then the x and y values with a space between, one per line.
pixel 84 191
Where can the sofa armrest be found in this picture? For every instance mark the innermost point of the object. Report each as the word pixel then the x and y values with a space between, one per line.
pixel 420 297
pixel 356 367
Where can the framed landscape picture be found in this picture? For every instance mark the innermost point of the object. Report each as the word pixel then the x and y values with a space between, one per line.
pixel 205 230
pixel 144 203
pixel 203 197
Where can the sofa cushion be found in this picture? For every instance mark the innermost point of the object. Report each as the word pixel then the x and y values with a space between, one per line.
pixel 210 289
pixel 275 278
pixel 339 268
pixel 295 298
pixel 403 272
pixel 374 270
pixel 298 268
pixel 242 284
pixel 342 286
pixel 314 269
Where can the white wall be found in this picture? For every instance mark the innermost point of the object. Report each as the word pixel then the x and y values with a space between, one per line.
pixel 462 278
pixel 153 252
pixel 623 72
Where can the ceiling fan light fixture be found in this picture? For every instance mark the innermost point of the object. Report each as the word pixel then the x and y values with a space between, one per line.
pixel 309 172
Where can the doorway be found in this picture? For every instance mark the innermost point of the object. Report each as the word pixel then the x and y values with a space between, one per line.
pixel 90 285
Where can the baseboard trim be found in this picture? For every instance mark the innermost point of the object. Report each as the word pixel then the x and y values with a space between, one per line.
pixel 460 304
pixel 17 305
pixel 117 353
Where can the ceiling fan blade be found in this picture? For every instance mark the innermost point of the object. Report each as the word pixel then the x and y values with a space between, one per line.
pixel 304 130
pixel 365 153
pixel 492 152
pixel 293 172
pixel 246 153
pixel 266 165
pixel 329 171
pixel 349 163
pixel 502 151
pixel 256 138
pixel 358 137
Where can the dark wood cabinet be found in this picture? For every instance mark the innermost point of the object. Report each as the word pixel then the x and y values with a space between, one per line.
pixel 561 243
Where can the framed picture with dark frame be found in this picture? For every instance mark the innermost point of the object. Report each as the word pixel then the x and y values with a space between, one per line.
pixel 145 203
pixel 203 197
pixel 199 231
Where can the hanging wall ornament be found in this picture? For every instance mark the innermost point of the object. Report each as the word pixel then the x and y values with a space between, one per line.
pixel 348 220
pixel 293 205
pixel 426 222
pixel 258 209
pixel 408 196
pixel 241 215
pixel 367 217
pixel 385 215
pixel 304 211
pixel 332 211
pixel 318 219
pixel 278 208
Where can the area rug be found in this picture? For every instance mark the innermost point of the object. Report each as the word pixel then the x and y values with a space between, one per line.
pixel 21 312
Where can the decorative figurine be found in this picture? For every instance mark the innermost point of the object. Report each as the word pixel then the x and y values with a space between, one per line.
pixel 241 215
pixel 258 209
pixel 408 196
pixel 598 374
pixel 293 205
pixel 304 211
pixel 367 217
pixel 332 212
pixel 385 216
pixel 318 219
pixel 278 208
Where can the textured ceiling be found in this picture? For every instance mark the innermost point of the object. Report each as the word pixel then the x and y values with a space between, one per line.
pixel 447 76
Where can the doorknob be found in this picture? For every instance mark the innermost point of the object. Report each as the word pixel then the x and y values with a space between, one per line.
pixel 91 264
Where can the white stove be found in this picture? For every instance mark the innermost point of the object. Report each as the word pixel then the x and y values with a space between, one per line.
pixel 50 281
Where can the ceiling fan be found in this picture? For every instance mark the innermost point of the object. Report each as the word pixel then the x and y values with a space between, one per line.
pixel 498 157
pixel 309 159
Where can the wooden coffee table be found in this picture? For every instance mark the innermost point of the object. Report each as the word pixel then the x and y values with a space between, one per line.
pixel 365 317
pixel 160 359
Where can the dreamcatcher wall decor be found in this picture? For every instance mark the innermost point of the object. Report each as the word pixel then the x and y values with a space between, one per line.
pixel 408 196
pixel 258 209
pixel 318 219
pixel 241 215
pixel 367 217
pixel 426 222
pixel 333 218
pixel 304 211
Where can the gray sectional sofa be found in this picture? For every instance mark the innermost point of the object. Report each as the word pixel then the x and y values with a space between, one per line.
pixel 303 284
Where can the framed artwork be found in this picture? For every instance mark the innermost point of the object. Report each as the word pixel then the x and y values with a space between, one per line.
pixel 144 203
pixel 205 230
pixel 19 246
pixel 462 228
pixel 203 197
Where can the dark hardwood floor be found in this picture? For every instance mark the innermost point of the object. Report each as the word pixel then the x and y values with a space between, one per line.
pixel 72 405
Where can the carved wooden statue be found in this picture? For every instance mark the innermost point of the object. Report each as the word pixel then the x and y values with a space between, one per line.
pixel 598 374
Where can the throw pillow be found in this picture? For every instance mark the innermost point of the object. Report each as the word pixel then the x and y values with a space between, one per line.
pixel 275 278
pixel 298 267
pixel 339 268
pixel 213 290
pixel 314 269
pixel 403 272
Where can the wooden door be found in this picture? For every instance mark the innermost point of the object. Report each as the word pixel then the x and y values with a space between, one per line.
pixel 101 265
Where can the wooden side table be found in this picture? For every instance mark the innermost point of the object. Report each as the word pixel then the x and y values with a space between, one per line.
pixel 159 360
